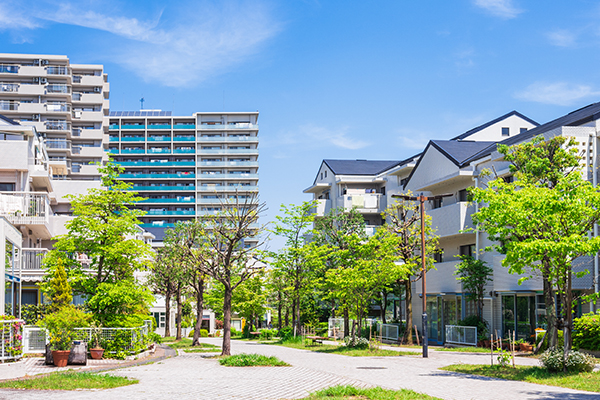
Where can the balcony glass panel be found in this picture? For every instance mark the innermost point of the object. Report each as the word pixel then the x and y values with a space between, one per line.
pixel 9 87
pixel 9 69
pixel 184 126
pixel 184 151
pixel 156 164
pixel 182 200
pixel 161 126
pixel 57 70
pixel 132 126
pixel 159 138
pixel 167 151
pixel 158 176
pixel 113 127
pixel 184 138
pixel 169 212
pixel 132 139
pixel 54 88
pixel 148 188
pixel 133 151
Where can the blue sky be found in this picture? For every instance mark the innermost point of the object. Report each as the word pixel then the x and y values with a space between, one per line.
pixel 331 79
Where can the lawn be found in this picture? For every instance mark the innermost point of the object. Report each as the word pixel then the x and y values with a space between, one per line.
pixel 70 381
pixel 251 360
pixel 464 349
pixel 349 392
pixel 589 381
pixel 187 343
pixel 345 351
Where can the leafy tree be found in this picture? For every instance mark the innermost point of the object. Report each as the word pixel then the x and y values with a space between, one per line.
pixel 165 272
pixel 474 276
pixel 60 291
pixel 222 254
pixel 125 300
pixel 404 221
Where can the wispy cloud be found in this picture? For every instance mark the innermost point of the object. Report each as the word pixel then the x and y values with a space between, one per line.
pixel 311 136
pixel 196 42
pixel 558 93
pixel 499 8
pixel 413 139
pixel 562 38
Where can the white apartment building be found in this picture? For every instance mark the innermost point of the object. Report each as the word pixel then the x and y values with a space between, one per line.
pixel 66 103
pixel 450 167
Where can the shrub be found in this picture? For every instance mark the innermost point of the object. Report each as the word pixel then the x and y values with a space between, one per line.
pixel 235 332
pixel 586 332
pixel 552 360
pixel 560 342
pixel 203 333
pixel 285 333
pixel 481 324
pixel 12 347
pixel 356 343
pixel 61 324
pixel 267 334
pixel 250 360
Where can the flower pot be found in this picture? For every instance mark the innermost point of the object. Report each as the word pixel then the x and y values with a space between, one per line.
pixel 60 357
pixel 96 353
pixel 526 347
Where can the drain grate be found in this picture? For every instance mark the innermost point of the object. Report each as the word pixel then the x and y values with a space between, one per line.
pixel 371 368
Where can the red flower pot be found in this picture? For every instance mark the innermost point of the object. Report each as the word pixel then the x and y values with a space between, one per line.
pixel 60 357
pixel 96 353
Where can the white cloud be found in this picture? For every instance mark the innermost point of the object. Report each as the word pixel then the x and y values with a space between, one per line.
pixel 561 38
pixel 413 139
pixel 11 17
pixel 500 8
pixel 196 42
pixel 312 136
pixel 558 93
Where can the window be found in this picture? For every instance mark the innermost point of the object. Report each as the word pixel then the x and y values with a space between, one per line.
pixel 321 176
pixel 438 256
pixel 505 131
pixel 383 190
pixel 403 182
pixel 521 130
pixel 7 187
pixel 436 203
pixel 325 173
pixel 463 195
pixel 467 250
pixel 508 179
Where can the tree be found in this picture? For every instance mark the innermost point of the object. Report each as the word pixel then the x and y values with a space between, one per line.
pixel 334 231
pixel 222 254
pixel 120 304
pixel 404 221
pixel 101 236
pixel 59 289
pixel 474 276
pixel 165 272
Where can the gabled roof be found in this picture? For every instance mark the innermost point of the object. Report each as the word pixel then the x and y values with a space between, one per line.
pixel 359 167
pixel 459 151
pixel 492 122
pixel 581 116
pixel 10 121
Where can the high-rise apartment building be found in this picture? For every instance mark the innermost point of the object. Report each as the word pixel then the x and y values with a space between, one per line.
pixel 186 167
pixel 67 103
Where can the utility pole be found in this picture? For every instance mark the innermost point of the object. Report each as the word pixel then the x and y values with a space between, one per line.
pixel 421 199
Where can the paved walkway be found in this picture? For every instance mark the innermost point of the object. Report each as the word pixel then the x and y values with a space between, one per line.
pixel 191 376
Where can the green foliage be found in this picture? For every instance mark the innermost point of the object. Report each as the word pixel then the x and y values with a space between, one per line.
pixel 252 360
pixel 61 324
pixel 356 342
pixel 32 313
pixel 586 332
pixel 351 392
pixel 554 361
pixel 124 342
pixel 14 347
pixel 474 276
pixel 61 292
pixel 267 334
pixel 286 333
pixel 480 323
pixel 544 347
pixel 69 381
pixel 116 301
pixel 203 333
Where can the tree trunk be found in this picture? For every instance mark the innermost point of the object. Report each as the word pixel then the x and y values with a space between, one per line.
pixel 287 316
pixel 179 312
pixel 409 315
pixel 294 321
pixel 552 333
pixel 346 323
pixel 279 313
pixel 568 307
pixel 199 311
pixel 167 314
pixel 384 296
pixel 227 322
pixel 298 312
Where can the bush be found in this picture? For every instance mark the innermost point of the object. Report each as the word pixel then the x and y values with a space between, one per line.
pixel 61 324
pixel 250 360
pixel 286 333
pixel 203 333
pixel 357 343
pixel 560 343
pixel 235 332
pixel 155 338
pixel 267 334
pixel 586 332
pixel 552 360
pixel 481 324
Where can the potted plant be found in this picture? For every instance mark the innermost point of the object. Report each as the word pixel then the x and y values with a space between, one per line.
pixel 96 350
pixel 60 327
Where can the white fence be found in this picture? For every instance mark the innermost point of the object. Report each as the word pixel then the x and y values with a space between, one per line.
pixel 34 337
pixel 10 331
pixel 336 326
pixel 389 331
pixel 461 335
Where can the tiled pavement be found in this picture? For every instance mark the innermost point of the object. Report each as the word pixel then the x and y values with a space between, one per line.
pixel 190 376
pixel 34 366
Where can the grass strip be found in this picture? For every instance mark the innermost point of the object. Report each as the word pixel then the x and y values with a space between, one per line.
pixel 345 351
pixel 204 350
pixel 589 381
pixel 463 349
pixel 350 392
pixel 251 360
pixel 70 381
pixel 187 343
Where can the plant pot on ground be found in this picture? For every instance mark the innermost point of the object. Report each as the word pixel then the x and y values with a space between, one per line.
pixel 96 349
pixel 97 353
pixel 60 357
pixel 60 327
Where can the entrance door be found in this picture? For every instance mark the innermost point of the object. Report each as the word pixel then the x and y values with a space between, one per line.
pixel 434 317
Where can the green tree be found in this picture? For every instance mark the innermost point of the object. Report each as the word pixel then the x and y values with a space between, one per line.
pixel 404 222
pixel 60 291
pixel 474 276
pixel 122 303
pixel 165 273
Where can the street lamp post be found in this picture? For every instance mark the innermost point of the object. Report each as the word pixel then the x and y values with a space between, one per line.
pixel 421 199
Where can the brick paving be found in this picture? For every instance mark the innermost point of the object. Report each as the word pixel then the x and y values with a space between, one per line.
pixel 193 376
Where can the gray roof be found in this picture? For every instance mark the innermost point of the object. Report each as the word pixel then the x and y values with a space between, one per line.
pixel 492 122
pixel 359 167
pixel 459 151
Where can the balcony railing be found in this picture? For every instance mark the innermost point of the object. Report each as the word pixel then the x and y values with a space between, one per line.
pixel 54 88
pixel 57 125
pixel 184 138
pixel 184 126
pixel 228 163
pixel 163 188
pixel 130 126
pixel 180 151
pixel 58 144
pixel 159 138
pixel 31 259
pixel 238 125
pixel 214 188
pixel 9 69
pixel 25 208
pixel 9 105
pixel 228 151
pixel 182 200
pixel 58 107
pixel 363 202
pixel 57 70
pixel 9 87
pixel 158 176
pixel 128 139
pixel 160 150
pixel 170 212
pixel 159 126
pixel 156 163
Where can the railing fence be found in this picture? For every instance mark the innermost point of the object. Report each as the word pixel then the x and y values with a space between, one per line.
pixel 466 335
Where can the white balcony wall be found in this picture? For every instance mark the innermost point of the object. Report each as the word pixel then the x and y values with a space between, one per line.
pixel 90 152
pixel 37 90
pixel 34 108
pixel 364 203
pixel 91 80
pixel 95 98
pixel 322 208
pixel 442 279
pixel 91 116
pixel 14 155
pixel 451 219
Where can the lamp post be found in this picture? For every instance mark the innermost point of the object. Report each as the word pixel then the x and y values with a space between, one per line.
pixel 421 199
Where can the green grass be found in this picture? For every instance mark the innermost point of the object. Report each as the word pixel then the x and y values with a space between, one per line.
pixel 589 381
pixel 212 349
pixel 186 343
pixel 70 381
pixel 252 360
pixel 464 349
pixel 349 392
pixel 343 350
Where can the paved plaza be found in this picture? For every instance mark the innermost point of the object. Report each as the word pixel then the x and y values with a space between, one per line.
pixel 192 376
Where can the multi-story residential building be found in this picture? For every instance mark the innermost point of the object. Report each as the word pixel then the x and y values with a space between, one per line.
pixel 450 167
pixel 186 167
pixel 67 103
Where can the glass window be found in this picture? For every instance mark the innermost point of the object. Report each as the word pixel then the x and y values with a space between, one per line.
pixel 505 131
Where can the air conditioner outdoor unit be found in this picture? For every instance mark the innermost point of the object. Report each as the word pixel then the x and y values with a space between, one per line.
pixel 36 117
pixel 43 80
pixel 36 62
pixel 76 114
pixel 97 90
pixel 36 80
pixel 45 62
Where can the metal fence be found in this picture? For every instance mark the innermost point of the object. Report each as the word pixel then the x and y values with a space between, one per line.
pixel 461 335
pixel 10 339
pixel 336 326
pixel 35 338
pixel 389 331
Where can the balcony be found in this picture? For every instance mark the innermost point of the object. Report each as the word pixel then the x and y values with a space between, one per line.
pixel 238 125
pixel 451 219
pixel 167 201
pixel 229 200
pixel 164 150
pixel 9 87
pixel 169 212
pixel 228 151
pixel 322 208
pixel 158 224
pixel 28 209
pixel 228 176
pixel 128 139
pixel 58 70
pixel 31 259
pixel 113 127
pixel 58 144
pixel 131 151
pixel 9 69
pixel 184 138
pixel 184 151
pixel 58 89
pixel 228 163
pixel 228 139
pixel 184 126
pixel 130 126
pixel 58 107
pixel 364 203
pixel 163 188
pixel 215 188
pixel 57 125
pixel 158 176
pixel 159 126
pixel 156 163
pixel 159 138
pixel 9 105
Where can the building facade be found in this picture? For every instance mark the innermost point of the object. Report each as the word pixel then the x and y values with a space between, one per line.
pixel 185 167
pixel 67 103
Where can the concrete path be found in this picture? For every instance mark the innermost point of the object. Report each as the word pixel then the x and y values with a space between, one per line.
pixel 191 376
